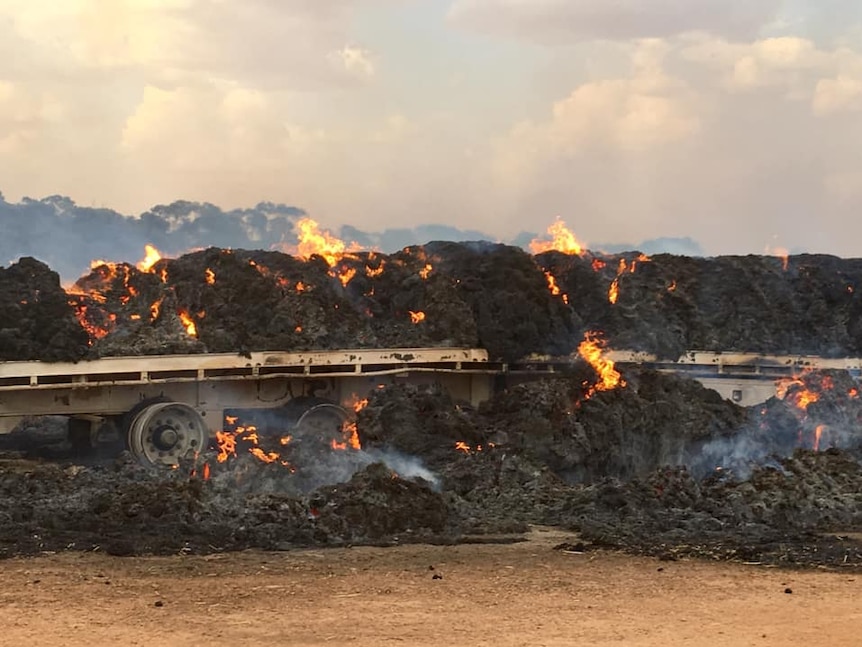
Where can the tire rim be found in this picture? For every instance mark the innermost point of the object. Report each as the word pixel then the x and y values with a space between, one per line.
pixel 167 432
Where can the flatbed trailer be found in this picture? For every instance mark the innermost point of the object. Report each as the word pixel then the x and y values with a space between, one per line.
pixel 169 406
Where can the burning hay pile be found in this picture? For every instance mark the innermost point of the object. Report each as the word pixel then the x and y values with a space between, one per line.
pixel 644 461
pixel 443 294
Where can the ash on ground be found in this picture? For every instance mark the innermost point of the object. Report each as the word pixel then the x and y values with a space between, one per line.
pixel 661 467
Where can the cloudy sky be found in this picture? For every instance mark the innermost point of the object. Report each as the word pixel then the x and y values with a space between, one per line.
pixel 735 122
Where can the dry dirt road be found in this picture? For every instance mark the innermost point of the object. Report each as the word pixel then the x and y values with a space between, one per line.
pixel 500 595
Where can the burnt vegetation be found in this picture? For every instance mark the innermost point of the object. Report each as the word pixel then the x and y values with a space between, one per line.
pixel 660 466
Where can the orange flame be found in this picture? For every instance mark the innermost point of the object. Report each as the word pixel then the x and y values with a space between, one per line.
pixel 417 317
pixel 226 442
pixel 188 323
pixel 591 350
pixel 425 271
pixel 266 457
pixel 210 276
pixel 350 433
pixel 555 289
pixel 346 275
pixel 818 434
pixel 94 330
pixel 563 240
pixel 779 252
pixel 800 397
pixel 461 446
pixel 313 240
pixel 614 290
pixel 151 257
pixel 155 309
pixel 622 268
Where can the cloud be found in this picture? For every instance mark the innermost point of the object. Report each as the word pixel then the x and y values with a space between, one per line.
pixel 715 129
pixel 632 115
pixel 559 21
pixel 263 42
pixel 355 61
pixel 682 145
pixel 840 94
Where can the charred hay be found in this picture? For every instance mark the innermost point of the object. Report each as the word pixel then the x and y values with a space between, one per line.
pixel 471 294
pixel 662 466
pixel 613 466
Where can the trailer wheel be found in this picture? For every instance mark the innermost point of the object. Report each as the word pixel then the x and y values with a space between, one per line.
pixel 323 421
pixel 163 433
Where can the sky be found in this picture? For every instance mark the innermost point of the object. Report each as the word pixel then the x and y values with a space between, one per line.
pixel 735 122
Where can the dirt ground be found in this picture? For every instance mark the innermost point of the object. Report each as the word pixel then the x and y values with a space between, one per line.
pixel 502 595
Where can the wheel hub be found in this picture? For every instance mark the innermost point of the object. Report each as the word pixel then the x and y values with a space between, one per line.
pixel 166 432
pixel 165 438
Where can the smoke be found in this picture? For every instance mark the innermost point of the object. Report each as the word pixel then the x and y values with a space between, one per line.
pixel 738 455
pixel 247 474
pixel 408 467
pixel 777 428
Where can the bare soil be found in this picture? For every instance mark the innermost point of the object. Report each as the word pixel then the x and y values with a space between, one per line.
pixel 502 594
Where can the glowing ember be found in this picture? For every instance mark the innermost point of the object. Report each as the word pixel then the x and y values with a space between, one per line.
pixel 94 330
pixel 266 457
pixel 563 240
pixel 371 272
pixel 151 257
pixel 417 317
pixel 591 350
pixel 672 286
pixel 206 472
pixel 461 446
pixel 346 275
pixel 598 264
pixel 425 271
pixel 210 276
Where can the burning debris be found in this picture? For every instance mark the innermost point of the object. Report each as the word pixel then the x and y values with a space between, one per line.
pixel 333 295
pixel 414 465
pixel 636 459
